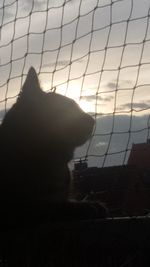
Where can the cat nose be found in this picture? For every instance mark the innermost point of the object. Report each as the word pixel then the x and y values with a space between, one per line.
pixel 87 124
pixel 90 122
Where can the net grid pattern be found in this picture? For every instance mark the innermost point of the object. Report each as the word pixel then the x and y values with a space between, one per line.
pixel 84 48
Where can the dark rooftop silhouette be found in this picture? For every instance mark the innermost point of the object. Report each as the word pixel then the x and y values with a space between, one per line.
pixel 140 155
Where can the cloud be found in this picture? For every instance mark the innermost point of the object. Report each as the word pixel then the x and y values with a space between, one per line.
pixel 111 85
pixel 121 84
pixel 92 98
pixel 23 8
pixel 108 98
pixel 38 4
pixel 135 106
pixel 42 4
pixel 60 63
pixel 11 10
pixel 8 13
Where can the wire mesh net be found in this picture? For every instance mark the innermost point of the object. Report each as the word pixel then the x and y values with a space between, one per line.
pixel 96 52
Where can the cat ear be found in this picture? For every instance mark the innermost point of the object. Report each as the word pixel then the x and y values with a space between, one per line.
pixel 31 85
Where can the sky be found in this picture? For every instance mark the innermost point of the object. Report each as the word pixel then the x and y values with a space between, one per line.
pixel 94 51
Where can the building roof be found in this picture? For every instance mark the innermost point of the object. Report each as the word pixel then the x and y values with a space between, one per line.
pixel 140 155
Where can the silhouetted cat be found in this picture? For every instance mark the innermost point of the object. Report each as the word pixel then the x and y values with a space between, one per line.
pixel 37 138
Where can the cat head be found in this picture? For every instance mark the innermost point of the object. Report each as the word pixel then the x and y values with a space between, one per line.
pixel 47 120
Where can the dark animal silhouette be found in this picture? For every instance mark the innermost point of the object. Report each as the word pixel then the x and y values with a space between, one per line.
pixel 37 138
